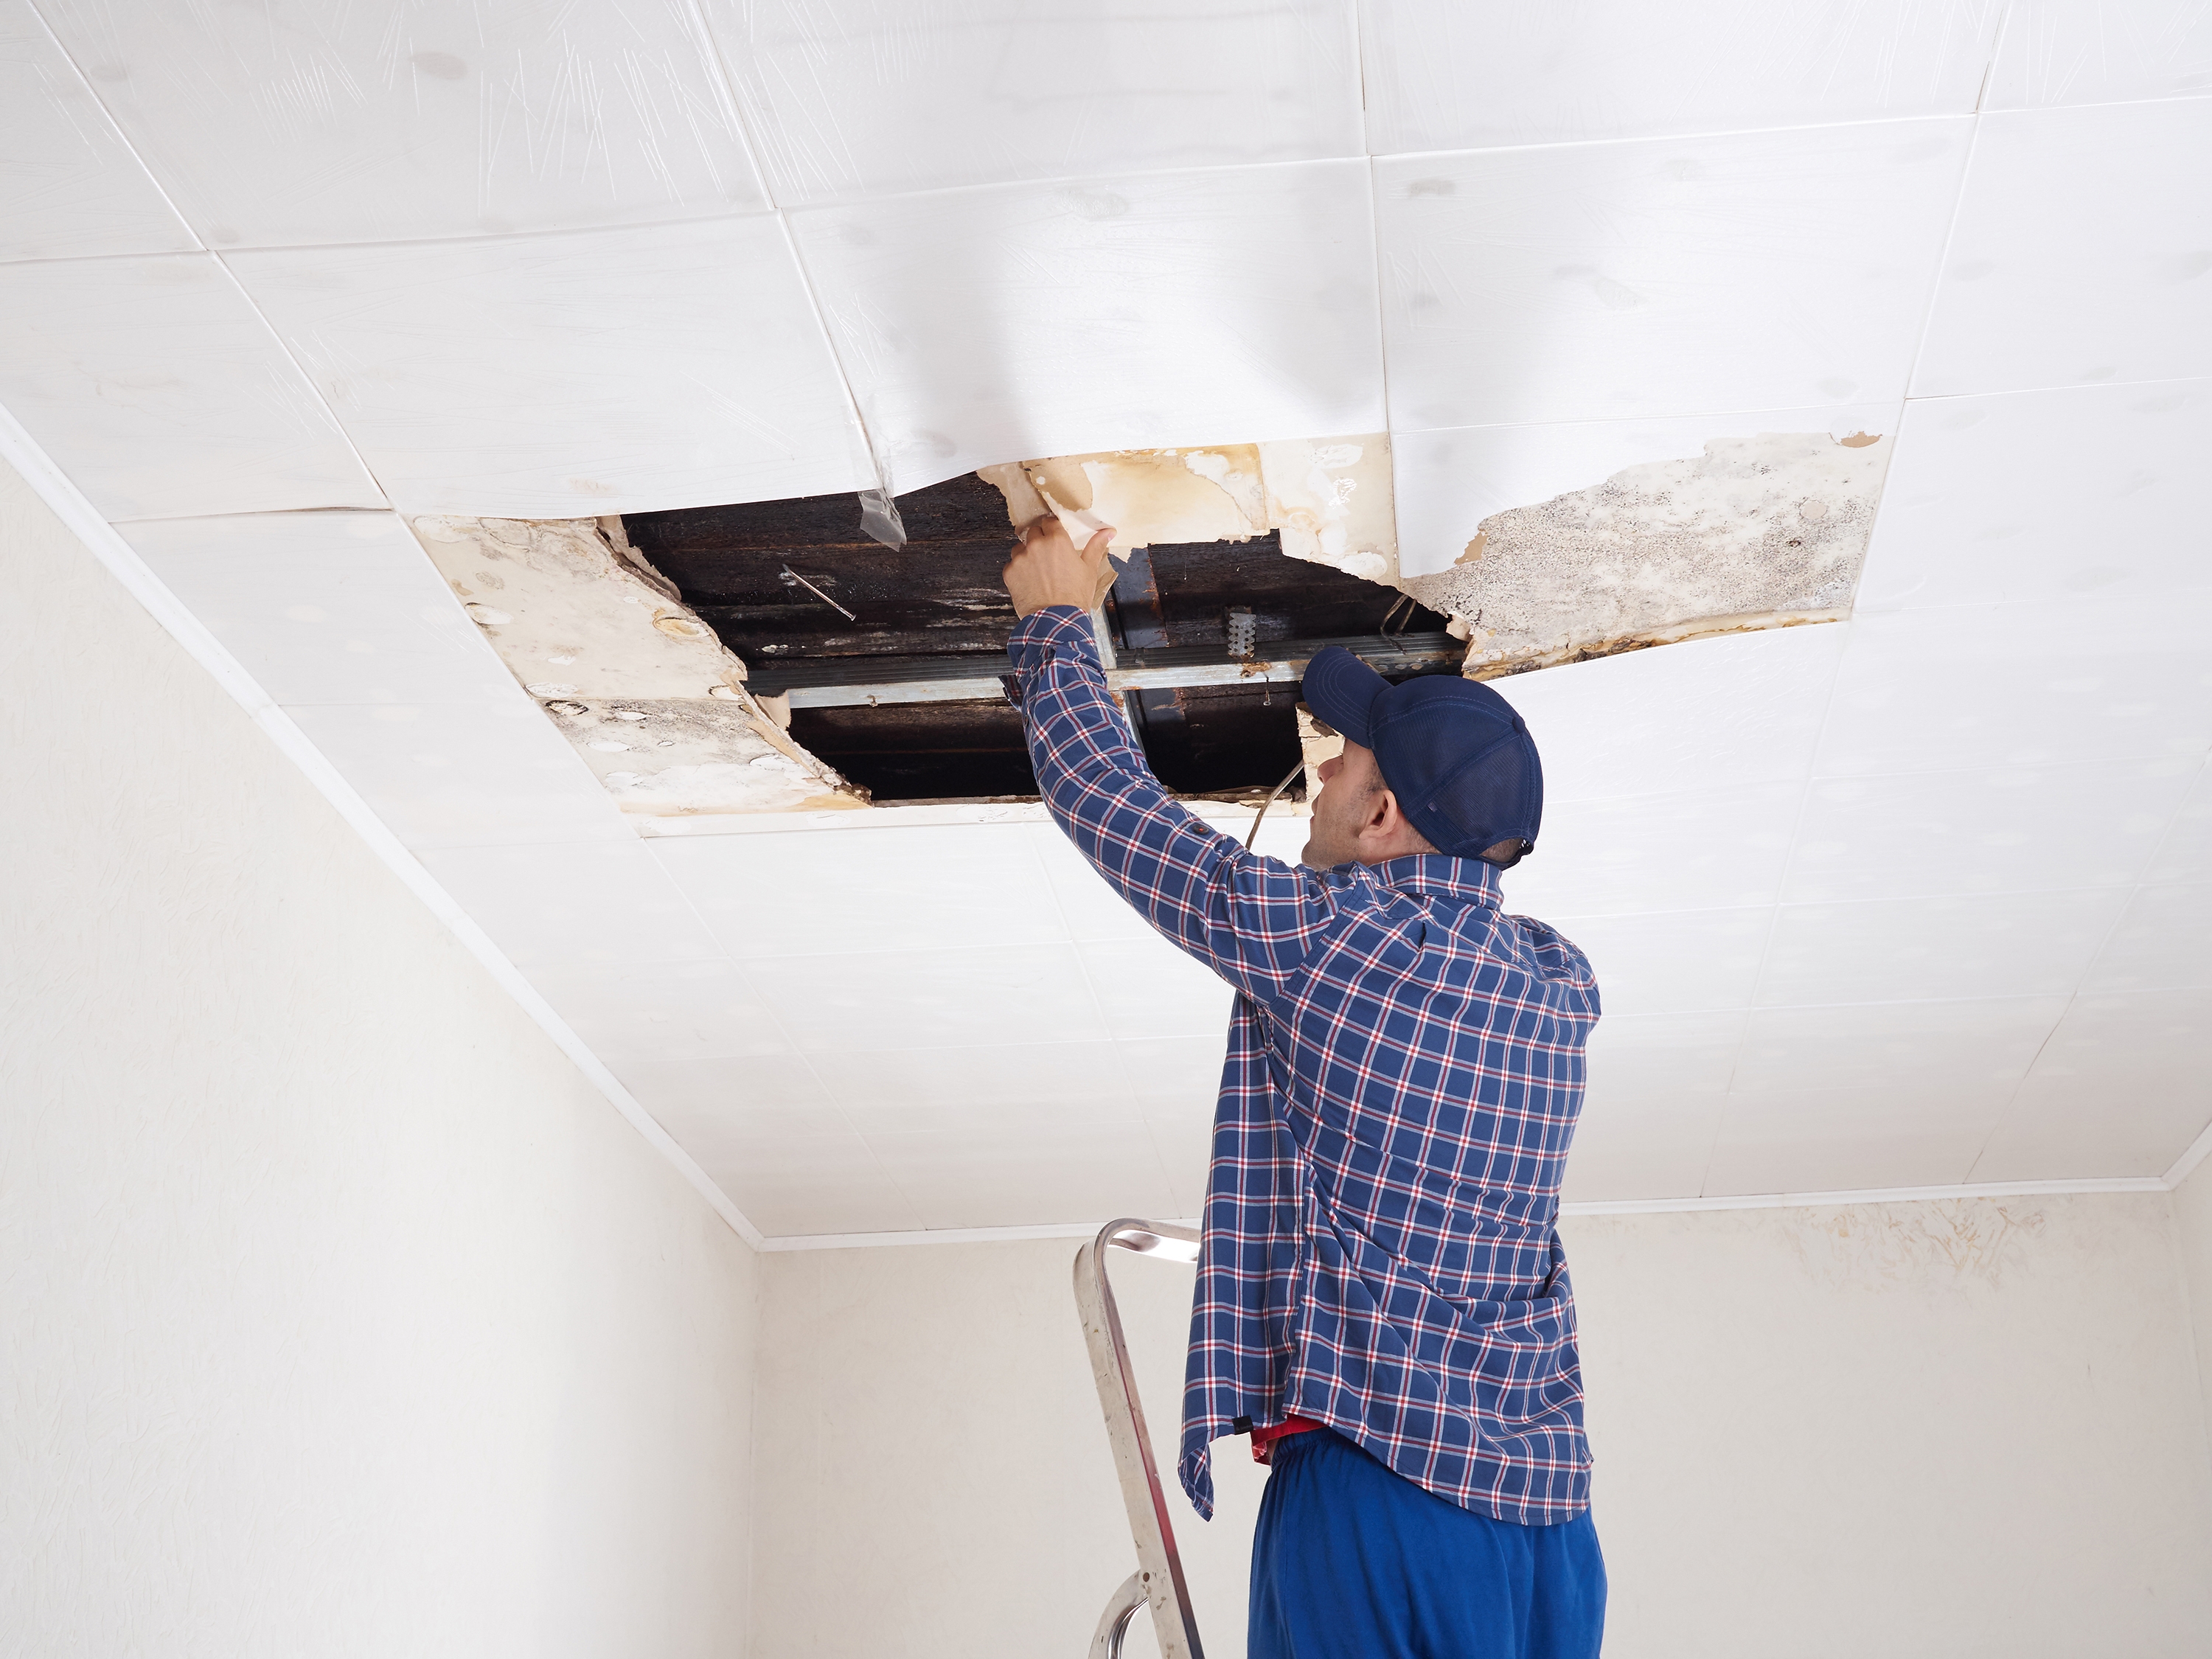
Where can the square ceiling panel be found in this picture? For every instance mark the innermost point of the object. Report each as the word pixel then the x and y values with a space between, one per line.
pixel 317 121
pixel 851 99
pixel 157 388
pixel 69 184
pixel 994 324
pixel 1970 513
pixel 2018 684
pixel 1986 830
pixel 2100 51
pixel 326 607
pixel 2082 252
pixel 1479 74
pixel 1593 282
pixel 2119 1087
pixel 1711 714
pixel 572 375
pixel 462 775
pixel 1826 1140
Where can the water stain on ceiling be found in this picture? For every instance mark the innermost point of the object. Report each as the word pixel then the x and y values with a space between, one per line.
pixel 792 656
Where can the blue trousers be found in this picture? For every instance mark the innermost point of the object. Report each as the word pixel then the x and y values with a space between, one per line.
pixel 1351 1561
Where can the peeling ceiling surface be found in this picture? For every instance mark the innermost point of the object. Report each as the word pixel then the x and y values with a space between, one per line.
pixel 1801 406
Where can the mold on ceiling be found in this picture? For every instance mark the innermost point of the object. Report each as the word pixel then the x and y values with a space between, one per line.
pixel 1769 531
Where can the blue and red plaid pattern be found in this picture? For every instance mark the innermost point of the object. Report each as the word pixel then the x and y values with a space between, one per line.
pixel 1405 1066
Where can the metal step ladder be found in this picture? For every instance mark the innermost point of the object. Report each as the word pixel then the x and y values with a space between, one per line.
pixel 1158 1582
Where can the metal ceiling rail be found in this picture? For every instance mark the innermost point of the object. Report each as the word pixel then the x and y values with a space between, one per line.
pixel 847 682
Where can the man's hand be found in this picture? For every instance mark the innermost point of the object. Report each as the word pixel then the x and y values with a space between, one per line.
pixel 1046 568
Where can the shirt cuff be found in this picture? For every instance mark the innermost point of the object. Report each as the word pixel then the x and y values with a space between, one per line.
pixel 1055 633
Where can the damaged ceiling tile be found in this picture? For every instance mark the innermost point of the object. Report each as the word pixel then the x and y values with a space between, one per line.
pixel 1765 531
pixel 646 691
pixel 1328 497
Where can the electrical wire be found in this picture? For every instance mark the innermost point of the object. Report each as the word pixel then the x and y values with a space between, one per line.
pixel 1254 835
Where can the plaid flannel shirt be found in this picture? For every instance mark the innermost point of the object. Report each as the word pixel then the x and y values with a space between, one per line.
pixel 1404 1070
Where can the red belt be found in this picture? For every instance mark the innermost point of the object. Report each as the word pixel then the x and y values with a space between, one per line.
pixel 1263 1440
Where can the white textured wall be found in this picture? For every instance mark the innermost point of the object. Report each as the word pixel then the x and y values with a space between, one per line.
pixel 338 1314
pixel 2192 1218
pixel 1943 1429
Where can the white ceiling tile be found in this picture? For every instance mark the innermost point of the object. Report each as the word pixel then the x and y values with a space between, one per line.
pixel 2005 944
pixel 1012 1087
pixel 1671 962
pixel 1088 903
pixel 1067 1173
pixel 323 122
pixel 2119 1090
pixel 572 375
pixel 1712 850
pixel 717 1098
pixel 69 184
pixel 2185 855
pixel 1147 987
pixel 1741 271
pixel 908 888
pixel 799 1181
pixel 1183 1135
pixel 2018 684
pixel 2045 496
pixel 156 385
pixel 1711 715
pixel 1175 1071
pixel 558 905
pixel 1646 1056
pixel 1644 1146
pixel 2163 940
pixel 326 607
pixel 2083 240
pixel 2095 51
pixel 944 998
pixel 1447 481
pixel 1452 74
pixel 696 1009
pixel 991 324
pixel 460 774
pixel 1894 1045
pixel 849 98
pixel 1852 1139
pixel 2092 823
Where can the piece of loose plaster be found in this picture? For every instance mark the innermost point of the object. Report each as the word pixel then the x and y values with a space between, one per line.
pixel 1329 498
pixel 1759 531
pixel 642 688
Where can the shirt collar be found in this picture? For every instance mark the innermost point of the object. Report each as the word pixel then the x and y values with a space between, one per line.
pixel 1442 875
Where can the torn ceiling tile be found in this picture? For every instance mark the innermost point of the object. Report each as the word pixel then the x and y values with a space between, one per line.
pixel 1328 497
pixel 645 690
pixel 1761 531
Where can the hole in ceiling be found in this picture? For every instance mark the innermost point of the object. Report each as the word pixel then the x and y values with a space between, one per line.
pixel 887 662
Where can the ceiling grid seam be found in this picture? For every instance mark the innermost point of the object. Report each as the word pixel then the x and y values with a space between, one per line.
pixel 121 560
pixel 753 150
pixel 123 138
pixel 1951 229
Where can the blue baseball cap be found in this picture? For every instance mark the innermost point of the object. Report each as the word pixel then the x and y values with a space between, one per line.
pixel 1462 764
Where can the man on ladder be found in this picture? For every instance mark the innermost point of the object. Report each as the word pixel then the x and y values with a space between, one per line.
pixel 1382 1303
